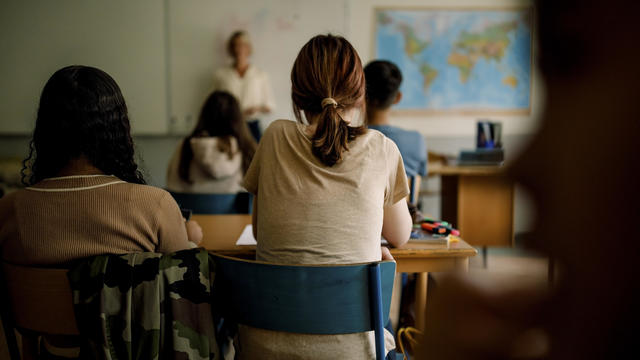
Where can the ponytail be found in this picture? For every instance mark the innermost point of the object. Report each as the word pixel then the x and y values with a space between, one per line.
pixel 328 64
pixel 332 134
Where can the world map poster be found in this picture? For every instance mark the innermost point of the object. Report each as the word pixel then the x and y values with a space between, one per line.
pixel 459 60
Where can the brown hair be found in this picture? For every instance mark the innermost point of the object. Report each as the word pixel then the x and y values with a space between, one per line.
pixel 236 35
pixel 328 67
pixel 221 117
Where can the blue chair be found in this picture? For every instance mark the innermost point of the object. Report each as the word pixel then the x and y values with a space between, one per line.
pixel 239 203
pixel 414 189
pixel 329 300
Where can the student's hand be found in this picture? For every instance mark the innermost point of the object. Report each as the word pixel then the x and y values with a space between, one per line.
pixel 386 254
pixel 194 232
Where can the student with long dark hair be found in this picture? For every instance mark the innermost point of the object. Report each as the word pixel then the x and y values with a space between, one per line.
pixel 85 195
pixel 325 191
pixel 217 153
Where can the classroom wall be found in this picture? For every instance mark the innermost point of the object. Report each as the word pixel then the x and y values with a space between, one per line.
pixel 122 37
pixel 187 75
pixel 360 30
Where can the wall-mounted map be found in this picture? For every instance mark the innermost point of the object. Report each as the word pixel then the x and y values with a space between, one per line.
pixel 459 60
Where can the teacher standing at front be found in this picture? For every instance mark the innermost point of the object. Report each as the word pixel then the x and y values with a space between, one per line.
pixel 246 82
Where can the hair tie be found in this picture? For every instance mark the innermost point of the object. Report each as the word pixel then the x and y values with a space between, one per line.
pixel 329 101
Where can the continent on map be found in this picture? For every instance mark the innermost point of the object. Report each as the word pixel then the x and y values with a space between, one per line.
pixel 412 44
pixel 429 74
pixel 510 81
pixel 490 44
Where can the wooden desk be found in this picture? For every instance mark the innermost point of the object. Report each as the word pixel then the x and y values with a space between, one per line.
pixel 478 200
pixel 222 231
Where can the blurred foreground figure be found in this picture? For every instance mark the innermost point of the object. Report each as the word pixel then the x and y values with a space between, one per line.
pixel 582 171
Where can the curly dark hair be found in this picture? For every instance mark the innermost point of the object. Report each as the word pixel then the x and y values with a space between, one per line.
pixel 81 113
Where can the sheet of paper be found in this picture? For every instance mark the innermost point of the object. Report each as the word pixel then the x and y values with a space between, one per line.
pixel 246 238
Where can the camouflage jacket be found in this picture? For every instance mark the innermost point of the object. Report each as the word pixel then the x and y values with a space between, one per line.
pixel 145 306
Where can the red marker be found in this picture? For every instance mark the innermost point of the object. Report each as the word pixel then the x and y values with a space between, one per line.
pixel 428 226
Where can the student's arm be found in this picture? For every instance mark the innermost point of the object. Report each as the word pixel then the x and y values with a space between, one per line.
pixel 396 223
pixel 194 232
pixel 172 232
pixel 386 254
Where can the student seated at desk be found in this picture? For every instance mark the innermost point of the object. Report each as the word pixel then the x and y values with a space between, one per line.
pixel 214 158
pixel 325 191
pixel 383 91
pixel 85 194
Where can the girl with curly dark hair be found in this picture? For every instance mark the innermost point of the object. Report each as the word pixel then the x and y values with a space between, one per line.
pixel 85 194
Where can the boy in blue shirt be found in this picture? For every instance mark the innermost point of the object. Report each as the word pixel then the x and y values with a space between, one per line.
pixel 383 80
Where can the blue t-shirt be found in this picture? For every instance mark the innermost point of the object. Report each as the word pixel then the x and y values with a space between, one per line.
pixel 411 145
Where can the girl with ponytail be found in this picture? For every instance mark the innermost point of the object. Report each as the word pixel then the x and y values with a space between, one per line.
pixel 326 190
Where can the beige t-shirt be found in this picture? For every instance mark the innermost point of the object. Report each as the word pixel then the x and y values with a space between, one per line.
pixel 310 213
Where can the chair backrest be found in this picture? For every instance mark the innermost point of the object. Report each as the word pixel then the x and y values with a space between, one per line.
pixel 414 189
pixel 333 299
pixel 239 203
pixel 39 300
pixel 34 301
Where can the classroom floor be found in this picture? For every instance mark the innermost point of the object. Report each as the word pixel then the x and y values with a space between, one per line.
pixel 506 266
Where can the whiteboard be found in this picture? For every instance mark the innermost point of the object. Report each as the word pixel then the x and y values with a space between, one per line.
pixel 122 37
pixel 278 29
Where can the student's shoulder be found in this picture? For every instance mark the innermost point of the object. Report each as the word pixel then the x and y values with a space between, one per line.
pixel 377 139
pixel 280 126
pixel 406 136
pixel 413 135
pixel 151 194
pixel 377 135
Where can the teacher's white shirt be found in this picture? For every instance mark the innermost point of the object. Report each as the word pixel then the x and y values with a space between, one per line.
pixel 252 89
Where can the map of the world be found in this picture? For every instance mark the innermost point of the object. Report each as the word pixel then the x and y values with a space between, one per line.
pixel 454 60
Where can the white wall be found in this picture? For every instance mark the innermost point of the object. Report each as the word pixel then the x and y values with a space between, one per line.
pixel 163 53
pixel 198 32
pixel 124 38
pixel 360 34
